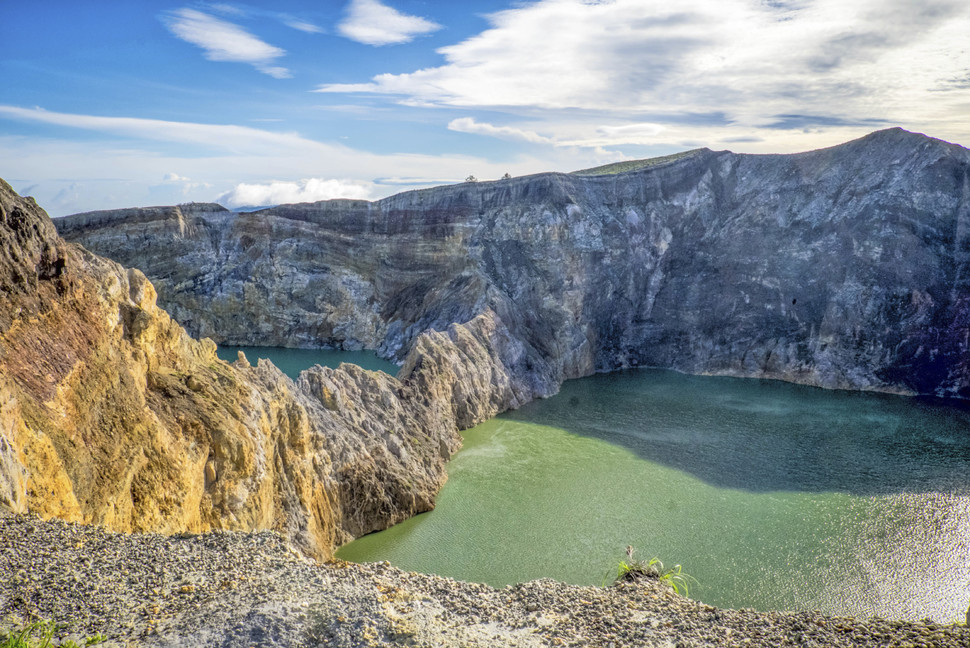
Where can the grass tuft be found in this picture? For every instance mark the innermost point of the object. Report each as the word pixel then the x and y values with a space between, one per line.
pixel 632 571
pixel 41 634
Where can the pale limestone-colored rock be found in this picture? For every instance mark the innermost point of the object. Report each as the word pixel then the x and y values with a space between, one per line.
pixel 13 475
pixel 112 414
pixel 210 472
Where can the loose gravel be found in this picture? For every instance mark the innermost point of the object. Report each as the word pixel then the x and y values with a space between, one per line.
pixel 251 589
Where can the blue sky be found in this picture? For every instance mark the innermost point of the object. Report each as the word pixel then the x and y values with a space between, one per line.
pixel 115 104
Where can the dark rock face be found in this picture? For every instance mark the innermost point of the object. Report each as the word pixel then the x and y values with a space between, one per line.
pixel 844 267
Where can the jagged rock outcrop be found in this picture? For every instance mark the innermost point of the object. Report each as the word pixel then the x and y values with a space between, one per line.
pixel 844 267
pixel 450 381
pixel 111 414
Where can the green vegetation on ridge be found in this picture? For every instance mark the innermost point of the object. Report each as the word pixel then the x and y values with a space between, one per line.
pixel 635 165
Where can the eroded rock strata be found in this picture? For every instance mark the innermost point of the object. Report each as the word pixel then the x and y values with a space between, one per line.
pixel 111 414
pixel 844 267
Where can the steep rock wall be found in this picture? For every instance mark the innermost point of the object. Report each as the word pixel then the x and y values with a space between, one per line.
pixel 844 267
pixel 111 414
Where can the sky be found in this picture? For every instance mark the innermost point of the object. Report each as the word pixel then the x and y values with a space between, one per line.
pixel 110 104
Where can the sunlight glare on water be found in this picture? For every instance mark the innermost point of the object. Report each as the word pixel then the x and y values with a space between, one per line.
pixel 772 496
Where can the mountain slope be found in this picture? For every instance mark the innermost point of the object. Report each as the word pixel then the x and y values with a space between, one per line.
pixel 843 267
pixel 111 414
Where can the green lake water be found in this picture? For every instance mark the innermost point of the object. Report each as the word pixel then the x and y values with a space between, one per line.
pixel 773 496
pixel 293 361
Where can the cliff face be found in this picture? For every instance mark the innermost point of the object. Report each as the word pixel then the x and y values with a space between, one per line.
pixel 111 414
pixel 844 267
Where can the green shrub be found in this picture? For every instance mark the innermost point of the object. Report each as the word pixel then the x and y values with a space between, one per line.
pixel 631 570
pixel 41 634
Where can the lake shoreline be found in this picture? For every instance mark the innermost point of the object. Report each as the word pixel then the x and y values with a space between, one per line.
pixel 722 475
pixel 241 589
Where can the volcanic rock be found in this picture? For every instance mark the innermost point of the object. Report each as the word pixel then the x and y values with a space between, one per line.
pixel 844 267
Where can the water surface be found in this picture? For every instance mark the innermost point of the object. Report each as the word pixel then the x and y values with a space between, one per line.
pixel 293 361
pixel 773 496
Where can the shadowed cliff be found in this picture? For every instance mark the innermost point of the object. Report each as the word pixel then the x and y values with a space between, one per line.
pixel 843 267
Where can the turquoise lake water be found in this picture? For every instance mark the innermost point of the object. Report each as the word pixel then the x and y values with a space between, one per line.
pixel 772 496
pixel 293 361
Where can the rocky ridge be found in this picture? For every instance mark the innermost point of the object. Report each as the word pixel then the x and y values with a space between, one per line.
pixel 111 414
pixel 233 589
pixel 844 267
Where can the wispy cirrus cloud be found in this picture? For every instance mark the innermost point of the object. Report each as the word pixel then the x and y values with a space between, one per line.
pixel 470 125
pixel 154 162
pixel 223 137
pixel 247 11
pixel 225 41
pixel 301 25
pixel 373 23
pixel 641 133
pixel 633 133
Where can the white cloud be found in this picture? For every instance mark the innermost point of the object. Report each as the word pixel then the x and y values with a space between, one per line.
pixel 277 193
pixel 413 182
pixel 131 172
pixel 239 139
pixel 302 25
pixel 229 9
pixel 710 64
pixel 631 132
pixel 469 125
pixel 643 133
pixel 374 23
pixel 275 71
pixel 246 11
pixel 187 185
pixel 225 41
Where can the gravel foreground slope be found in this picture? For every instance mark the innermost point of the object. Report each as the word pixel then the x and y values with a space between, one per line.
pixel 251 589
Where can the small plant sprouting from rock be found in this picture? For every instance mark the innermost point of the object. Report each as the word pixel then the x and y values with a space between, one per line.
pixel 41 634
pixel 633 570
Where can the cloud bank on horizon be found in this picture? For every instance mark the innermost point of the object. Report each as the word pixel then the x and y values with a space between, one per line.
pixel 120 104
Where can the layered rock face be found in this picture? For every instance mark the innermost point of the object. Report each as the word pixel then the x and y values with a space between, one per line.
pixel 844 267
pixel 111 414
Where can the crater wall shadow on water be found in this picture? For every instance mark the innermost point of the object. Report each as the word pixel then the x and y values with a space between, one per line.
pixel 764 435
